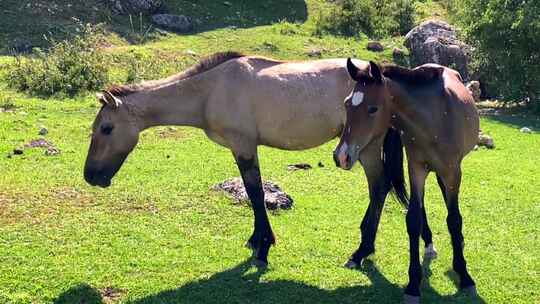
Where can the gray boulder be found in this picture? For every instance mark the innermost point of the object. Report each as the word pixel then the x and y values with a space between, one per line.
pixel 435 41
pixel 145 7
pixel 177 23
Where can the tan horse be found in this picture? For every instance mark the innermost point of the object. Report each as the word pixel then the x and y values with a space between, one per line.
pixel 435 116
pixel 241 102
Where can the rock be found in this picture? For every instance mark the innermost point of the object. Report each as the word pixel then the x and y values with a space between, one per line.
pixel 274 197
pixel 525 130
pixel 43 131
pixel 51 151
pixel 227 3
pixel 191 53
pixel 474 88
pixel 435 41
pixel 295 167
pixel 486 141
pixel 375 46
pixel 145 7
pixel 18 151
pixel 177 23
pixel 314 53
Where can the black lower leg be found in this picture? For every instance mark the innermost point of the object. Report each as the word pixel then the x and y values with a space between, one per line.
pixel 262 237
pixel 414 228
pixel 426 231
pixel 454 222
pixel 370 222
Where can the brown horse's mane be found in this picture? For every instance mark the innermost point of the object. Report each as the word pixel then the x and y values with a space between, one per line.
pixel 204 65
pixel 418 76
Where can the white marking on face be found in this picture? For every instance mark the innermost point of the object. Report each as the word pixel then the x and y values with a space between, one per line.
pixel 357 98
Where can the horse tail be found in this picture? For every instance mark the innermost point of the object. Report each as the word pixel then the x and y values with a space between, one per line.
pixel 393 165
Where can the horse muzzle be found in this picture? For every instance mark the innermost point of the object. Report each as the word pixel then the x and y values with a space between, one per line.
pixel 97 178
pixel 343 157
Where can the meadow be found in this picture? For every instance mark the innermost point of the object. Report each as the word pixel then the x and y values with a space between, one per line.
pixel 159 234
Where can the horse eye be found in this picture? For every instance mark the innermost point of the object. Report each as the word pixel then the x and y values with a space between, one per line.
pixel 107 129
pixel 372 110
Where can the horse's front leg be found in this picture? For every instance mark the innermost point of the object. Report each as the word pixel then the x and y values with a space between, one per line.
pixel 262 237
pixel 378 189
pixel 414 219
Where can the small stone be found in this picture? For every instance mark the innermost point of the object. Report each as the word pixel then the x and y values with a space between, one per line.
pixel 43 131
pixel 375 46
pixel 18 151
pixel 295 167
pixel 486 141
pixel 227 3
pixel 525 130
pixel 191 53
pixel 314 53
pixel 51 151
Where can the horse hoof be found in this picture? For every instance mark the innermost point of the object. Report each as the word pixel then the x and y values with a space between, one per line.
pixel 350 264
pixel 471 291
pixel 408 299
pixel 430 252
pixel 260 264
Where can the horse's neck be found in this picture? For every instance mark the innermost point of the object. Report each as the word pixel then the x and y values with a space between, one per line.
pixel 406 115
pixel 179 103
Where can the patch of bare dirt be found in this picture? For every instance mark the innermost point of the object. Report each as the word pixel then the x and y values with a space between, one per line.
pixel 110 294
pixel 274 197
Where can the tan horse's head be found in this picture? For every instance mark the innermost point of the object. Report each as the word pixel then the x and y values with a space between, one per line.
pixel 368 114
pixel 114 135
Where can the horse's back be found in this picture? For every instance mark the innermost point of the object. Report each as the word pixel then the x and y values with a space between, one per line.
pixel 289 105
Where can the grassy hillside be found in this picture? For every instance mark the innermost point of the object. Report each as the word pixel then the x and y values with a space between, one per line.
pixel 160 235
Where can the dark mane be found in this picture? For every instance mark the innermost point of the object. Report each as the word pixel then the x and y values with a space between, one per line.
pixel 419 76
pixel 204 65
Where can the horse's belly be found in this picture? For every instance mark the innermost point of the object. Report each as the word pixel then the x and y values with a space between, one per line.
pixel 301 134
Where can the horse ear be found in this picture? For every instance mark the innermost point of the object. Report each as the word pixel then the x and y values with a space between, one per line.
pixel 353 70
pixel 375 71
pixel 108 99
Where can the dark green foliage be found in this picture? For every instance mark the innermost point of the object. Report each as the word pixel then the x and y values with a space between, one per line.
pixel 68 67
pixel 506 35
pixel 373 18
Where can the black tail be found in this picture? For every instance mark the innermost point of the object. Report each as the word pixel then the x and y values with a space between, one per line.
pixel 393 165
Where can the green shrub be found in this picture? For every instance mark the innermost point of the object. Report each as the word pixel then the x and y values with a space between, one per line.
pixel 373 18
pixel 506 37
pixel 68 67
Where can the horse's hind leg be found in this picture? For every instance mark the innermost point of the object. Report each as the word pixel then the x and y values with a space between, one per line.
pixel 417 176
pixel 262 237
pixel 450 184
pixel 429 250
pixel 378 189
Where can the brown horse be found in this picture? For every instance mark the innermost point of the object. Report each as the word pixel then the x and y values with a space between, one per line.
pixel 241 102
pixel 433 115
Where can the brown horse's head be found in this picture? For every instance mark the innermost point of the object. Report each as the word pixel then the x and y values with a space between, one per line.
pixel 368 114
pixel 114 135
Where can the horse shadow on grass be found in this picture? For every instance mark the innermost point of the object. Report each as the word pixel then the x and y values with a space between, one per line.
pixel 244 284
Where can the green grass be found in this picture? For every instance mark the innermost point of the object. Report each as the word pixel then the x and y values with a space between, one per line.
pixel 160 235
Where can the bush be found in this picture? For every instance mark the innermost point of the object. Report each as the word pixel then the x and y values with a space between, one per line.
pixel 506 35
pixel 69 67
pixel 373 18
